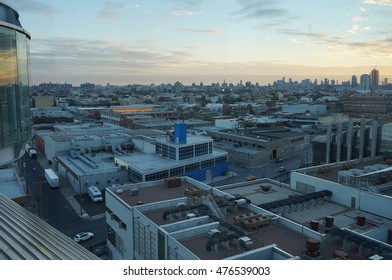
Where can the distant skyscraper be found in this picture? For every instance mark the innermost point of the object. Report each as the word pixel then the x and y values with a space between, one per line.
pixel 374 78
pixel 15 118
pixel 385 81
pixel 354 81
pixel 365 82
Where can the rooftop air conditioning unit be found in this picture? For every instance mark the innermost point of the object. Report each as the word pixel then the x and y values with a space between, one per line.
pixel 119 191
pixel 190 216
pixel 213 232
pixel 245 243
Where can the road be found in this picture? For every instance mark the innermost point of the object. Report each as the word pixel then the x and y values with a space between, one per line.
pixel 51 205
pixel 268 170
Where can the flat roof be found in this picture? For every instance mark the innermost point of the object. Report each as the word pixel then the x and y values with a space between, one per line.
pixel 190 140
pixel 290 241
pixel 242 149
pixel 264 135
pixel 344 217
pixel 355 168
pixel 153 162
pixel 152 194
pixel 104 163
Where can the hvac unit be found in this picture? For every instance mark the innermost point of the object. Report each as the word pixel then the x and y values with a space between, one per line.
pixel 245 243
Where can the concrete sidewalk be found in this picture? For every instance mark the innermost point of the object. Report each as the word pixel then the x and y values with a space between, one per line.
pixel 66 189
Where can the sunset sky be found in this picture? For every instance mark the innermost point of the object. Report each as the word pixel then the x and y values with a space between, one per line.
pixel 154 41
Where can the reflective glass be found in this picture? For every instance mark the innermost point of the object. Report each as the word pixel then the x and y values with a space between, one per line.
pixel 14 88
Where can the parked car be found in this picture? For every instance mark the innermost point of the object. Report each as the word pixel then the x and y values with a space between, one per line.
pixel 83 236
pixel 250 178
pixel 282 169
pixel 278 160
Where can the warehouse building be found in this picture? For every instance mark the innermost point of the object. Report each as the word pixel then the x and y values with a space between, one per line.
pixel 178 154
pixel 183 219
pixel 252 147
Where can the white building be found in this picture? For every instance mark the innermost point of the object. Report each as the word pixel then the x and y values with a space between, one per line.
pixel 182 219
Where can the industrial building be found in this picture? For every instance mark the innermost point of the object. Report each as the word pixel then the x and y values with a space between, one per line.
pixel 90 137
pixel 357 138
pixel 360 106
pixel 83 170
pixel 51 115
pixel 122 115
pixel 178 154
pixel 101 154
pixel 183 219
pixel 255 146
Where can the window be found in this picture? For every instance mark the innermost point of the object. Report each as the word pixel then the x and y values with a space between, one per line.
pixel 176 171
pixel 162 149
pixel 201 149
pixel 192 167
pixel 207 163
pixel 220 160
pixel 157 175
pixel 134 176
pixel 172 153
pixel 186 152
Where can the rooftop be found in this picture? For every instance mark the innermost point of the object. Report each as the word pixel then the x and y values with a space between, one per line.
pixel 99 163
pixel 264 135
pixel 153 162
pixel 288 228
pixel 374 173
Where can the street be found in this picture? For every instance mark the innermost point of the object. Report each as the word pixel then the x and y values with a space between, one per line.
pixel 51 205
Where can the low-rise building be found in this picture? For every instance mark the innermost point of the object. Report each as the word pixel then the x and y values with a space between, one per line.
pixel 183 219
pixel 256 146
pixel 178 154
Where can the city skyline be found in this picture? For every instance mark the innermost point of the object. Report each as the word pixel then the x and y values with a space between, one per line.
pixel 129 42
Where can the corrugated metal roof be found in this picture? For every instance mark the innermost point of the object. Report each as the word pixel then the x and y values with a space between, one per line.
pixel 24 236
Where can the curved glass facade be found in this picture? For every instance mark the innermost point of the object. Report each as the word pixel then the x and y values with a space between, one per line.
pixel 15 121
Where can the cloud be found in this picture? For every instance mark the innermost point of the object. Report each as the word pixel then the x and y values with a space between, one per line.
pixel 358 19
pixel 378 2
pixel 259 9
pixel 79 59
pixel 180 11
pixel 354 29
pixel 109 14
pixel 377 48
pixel 187 3
pixel 207 31
pixel 295 32
pixel 112 10
pixel 32 6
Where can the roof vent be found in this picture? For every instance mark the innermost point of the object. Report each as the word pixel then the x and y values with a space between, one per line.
pixel 245 243
pixel 190 215
pixel 213 232
pixel 119 191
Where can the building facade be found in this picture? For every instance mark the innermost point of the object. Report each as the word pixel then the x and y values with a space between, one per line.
pixel 15 123
pixel 177 155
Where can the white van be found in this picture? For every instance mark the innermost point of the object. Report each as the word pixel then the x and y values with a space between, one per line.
pixel 95 194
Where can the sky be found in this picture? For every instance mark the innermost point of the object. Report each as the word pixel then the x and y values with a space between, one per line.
pixel 163 41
